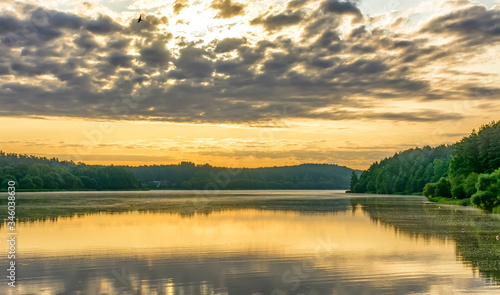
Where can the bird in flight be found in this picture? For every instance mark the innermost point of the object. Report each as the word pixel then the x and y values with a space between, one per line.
pixel 140 19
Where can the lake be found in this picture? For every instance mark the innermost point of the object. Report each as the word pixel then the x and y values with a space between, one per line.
pixel 250 242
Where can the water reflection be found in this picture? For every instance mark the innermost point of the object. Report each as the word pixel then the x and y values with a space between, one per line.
pixel 474 234
pixel 250 244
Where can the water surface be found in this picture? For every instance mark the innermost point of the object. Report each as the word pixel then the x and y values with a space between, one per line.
pixel 252 242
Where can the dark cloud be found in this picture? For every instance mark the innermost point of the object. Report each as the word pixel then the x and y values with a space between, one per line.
pixel 317 26
pixel 4 70
pixel 327 38
pixel 358 32
pixel 403 43
pixel 420 116
pixel 473 20
pixel 155 55
pixel 279 64
pixel 46 34
pixel 362 49
pixel 119 44
pixel 416 116
pixel 233 68
pixel 294 4
pixel 122 60
pixel 322 63
pixel 193 62
pixel 318 76
pixel 229 44
pixel 86 41
pixel 278 21
pixel 9 24
pixel 473 25
pixel 61 20
pixel 227 8
pixel 362 67
pixel 481 92
pixel 103 25
pixel 341 8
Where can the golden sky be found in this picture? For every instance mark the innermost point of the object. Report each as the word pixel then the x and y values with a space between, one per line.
pixel 250 83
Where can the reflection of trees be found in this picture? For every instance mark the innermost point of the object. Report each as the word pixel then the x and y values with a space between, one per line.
pixel 39 207
pixel 476 247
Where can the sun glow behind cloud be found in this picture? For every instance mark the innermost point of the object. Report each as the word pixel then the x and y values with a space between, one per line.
pixel 324 77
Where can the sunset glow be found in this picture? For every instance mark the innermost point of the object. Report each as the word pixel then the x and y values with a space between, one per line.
pixel 244 84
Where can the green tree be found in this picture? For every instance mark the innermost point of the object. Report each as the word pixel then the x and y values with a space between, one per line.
pixel 6 179
pixel 443 188
pixel 470 184
pixel 488 191
pixel 486 200
pixel 354 181
pixel 430 190
pixel 458 192
pixel 88 182
pixel 26 183
pixel 37 181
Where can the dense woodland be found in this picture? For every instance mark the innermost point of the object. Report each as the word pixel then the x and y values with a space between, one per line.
pixel 39 173
pixel 406 172
pixel 190 176
pixel 469 169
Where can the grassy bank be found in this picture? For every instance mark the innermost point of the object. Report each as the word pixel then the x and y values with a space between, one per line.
pixel 461 202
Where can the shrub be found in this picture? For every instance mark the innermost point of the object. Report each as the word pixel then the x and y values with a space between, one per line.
pixel 458 192
pixel 485 200
pixel 443 188
pixel 429 190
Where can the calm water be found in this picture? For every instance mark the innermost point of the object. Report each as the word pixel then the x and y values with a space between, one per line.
pixel 251 242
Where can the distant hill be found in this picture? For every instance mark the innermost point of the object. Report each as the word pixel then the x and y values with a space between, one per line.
pixel 41 173
pixel 187 175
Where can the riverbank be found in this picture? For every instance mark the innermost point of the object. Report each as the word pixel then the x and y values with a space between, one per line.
pixel 460 202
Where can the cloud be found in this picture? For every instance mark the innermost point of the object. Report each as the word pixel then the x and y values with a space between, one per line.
pixel 278 21
pixel 229 44
pixel 75 65
pixel 227 8
pixel 121 60
pixel 86 41
pixel 9 24
pixel 102 25
pixel 362 67
pixel 193 62
pixel 294 4
pixel 341 8
pixel 474 25
pixel 62 20
pixel 179 5
pixel 155 55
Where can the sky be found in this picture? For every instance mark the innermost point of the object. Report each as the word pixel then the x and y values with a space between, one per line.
pixel 244 83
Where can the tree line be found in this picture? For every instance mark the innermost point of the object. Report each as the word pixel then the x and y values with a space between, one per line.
pixel 404 173
pixel 187 175
pixel 466 170
pixel 41 173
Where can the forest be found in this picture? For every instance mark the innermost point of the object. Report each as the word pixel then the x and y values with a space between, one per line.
pixel 187 175
pixel 468 170
pixel 40 173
